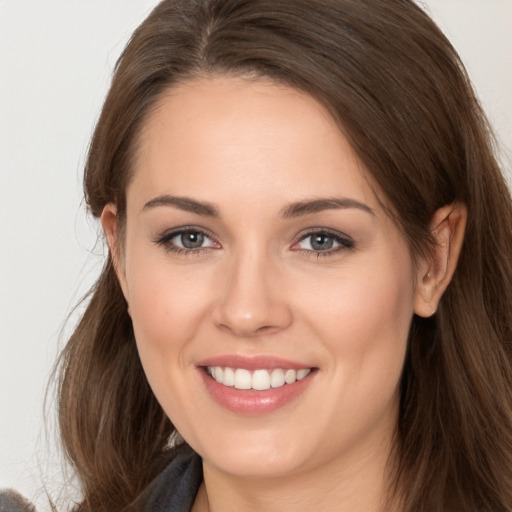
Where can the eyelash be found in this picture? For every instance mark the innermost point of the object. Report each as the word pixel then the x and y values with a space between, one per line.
pixel 345 242
pixel 165 241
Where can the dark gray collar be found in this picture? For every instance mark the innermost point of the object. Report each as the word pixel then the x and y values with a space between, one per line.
pixel 175 489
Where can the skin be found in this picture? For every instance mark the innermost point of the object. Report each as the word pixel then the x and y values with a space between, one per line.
pixel 258 287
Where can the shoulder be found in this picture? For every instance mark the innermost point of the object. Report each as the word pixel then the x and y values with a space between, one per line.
pixel 175 489
pixel 11 501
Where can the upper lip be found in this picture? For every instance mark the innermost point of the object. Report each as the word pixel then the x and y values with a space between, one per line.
pixel 252 362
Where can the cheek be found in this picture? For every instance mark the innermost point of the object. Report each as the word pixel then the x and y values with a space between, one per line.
pixel 371 302
pixel 166 304
pixel 365 326
pixel 364 321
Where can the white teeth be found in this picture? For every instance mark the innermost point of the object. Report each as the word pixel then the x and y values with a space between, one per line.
pixel 243 379
pixel 277 378
pixel 302 373
pixel 218 374
pixel 290 376
pixel 259 380
pixel 229 377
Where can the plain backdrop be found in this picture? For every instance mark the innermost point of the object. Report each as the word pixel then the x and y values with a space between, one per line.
pixel 56 59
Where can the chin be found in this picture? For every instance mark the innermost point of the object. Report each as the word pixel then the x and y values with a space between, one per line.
pixel 255 454
pixel 259 465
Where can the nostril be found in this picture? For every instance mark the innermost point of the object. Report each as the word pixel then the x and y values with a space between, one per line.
pixel 267 329
pixel 248 332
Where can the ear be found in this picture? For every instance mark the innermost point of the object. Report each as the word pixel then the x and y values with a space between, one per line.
pixel 109 222
pixel 436 271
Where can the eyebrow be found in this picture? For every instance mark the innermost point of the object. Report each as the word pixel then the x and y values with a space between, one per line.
pixel 310 207
pixel 184 203
pixel 298 209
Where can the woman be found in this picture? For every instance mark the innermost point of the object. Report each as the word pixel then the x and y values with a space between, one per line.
pixel 307 299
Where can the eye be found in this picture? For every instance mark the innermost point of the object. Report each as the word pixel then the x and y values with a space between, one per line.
pixel 323 242
pixel 186 240
pixel 189 239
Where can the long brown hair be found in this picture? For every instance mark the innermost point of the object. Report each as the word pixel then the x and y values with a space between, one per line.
pixel 402 97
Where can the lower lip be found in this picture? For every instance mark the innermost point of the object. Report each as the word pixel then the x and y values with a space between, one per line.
pixel 251 401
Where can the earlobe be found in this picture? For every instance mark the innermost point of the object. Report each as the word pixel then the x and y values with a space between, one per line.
pixel 436 271
pixel 110 225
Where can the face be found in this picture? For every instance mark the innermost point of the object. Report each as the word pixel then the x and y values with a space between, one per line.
pixel 271 296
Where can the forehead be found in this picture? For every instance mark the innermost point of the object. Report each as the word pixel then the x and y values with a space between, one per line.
pixel 248 136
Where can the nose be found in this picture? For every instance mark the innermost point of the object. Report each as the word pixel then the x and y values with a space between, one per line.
pixel 253 300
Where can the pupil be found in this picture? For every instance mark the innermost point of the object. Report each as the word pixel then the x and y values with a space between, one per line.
pixel 192 240
pixel 322 242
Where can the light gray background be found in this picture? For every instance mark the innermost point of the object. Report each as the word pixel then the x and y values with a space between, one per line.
pixel 56 58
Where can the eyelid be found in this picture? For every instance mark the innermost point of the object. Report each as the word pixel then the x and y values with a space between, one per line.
pixel 345 242
pixel 164 239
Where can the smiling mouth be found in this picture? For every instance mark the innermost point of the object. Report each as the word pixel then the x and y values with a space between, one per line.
pixel 260 380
